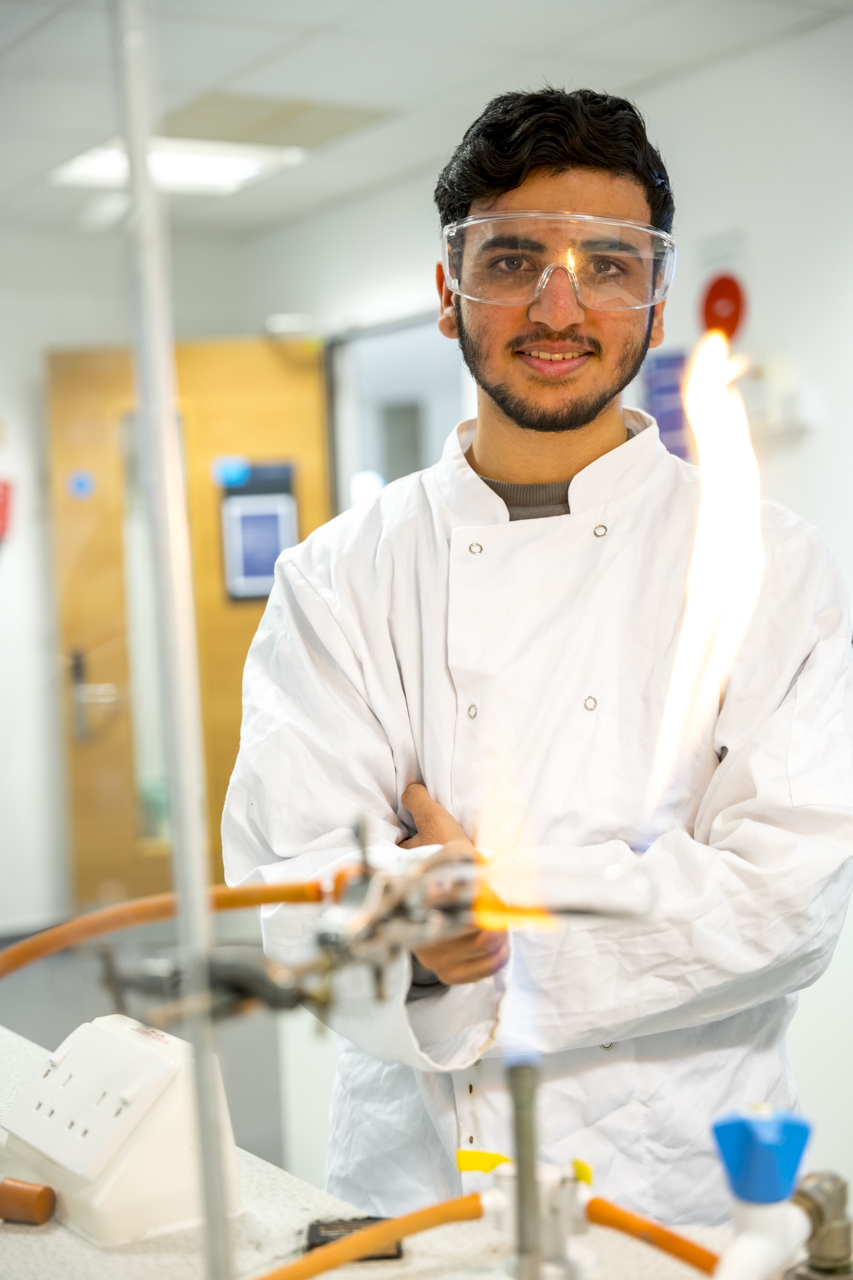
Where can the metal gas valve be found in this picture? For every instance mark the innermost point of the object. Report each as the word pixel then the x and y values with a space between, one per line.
pixel 830 1247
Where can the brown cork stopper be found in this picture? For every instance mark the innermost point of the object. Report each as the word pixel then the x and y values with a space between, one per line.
pixel 26 1201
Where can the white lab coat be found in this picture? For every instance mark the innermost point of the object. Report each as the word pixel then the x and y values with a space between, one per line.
pixel 519 669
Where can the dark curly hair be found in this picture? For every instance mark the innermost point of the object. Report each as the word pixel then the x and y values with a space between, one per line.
pixel 552 129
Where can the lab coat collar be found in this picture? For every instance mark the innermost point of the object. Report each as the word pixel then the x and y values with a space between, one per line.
pixel 613 475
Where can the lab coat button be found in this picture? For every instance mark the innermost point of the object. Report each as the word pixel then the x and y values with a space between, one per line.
pixel 590 703
pixel 475 548
pixel 600 530
pixel 609 1045
pixel 472 712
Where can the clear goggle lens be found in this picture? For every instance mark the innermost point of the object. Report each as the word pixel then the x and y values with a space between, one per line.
pixel 509 258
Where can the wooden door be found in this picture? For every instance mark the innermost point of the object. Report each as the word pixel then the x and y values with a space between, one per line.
pixel 89 400
pixel 264 400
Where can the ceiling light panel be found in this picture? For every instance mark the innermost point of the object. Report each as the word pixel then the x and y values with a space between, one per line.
pixel 278 122
pixel 180 166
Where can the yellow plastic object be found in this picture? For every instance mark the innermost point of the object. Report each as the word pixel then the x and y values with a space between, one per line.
pixel 468 1161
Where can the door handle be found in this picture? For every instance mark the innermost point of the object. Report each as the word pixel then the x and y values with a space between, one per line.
pixel 85 695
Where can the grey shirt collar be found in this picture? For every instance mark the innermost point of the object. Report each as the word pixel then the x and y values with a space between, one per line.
pixel 534 501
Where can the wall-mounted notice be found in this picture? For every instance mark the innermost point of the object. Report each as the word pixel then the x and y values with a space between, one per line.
pixel 259 519
pixel 663 374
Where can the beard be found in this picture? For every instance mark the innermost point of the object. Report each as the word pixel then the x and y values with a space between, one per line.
pixel 569 417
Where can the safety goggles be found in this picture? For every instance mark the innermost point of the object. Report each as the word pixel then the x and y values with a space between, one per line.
pixel 508 259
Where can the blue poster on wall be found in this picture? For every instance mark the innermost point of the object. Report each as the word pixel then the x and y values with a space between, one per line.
pixel 259 519
pixel 663 372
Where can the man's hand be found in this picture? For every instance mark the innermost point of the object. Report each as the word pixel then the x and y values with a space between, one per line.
pixel 476 953
pixel 434 824
pixel 470 956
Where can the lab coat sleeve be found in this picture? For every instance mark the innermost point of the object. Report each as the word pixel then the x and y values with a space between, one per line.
pixel 314 757
pixel 751 902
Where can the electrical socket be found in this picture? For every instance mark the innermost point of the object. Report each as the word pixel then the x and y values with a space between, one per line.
pixel 121 1146
pixel 92 1093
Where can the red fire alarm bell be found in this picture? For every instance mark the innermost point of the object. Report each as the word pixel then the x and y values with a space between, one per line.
pixel 5 507
pixel 724 305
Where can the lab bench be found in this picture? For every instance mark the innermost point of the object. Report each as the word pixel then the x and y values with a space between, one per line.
pixel 271 1230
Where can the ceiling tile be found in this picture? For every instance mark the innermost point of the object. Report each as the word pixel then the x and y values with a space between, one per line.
pixel 500 25
pixel 269 13
pixel 202 54
pixel 812 6
pixel 18 17
pixel 32 203
pixel 565 68
pixel 361 70
pixel 26 159
pixel 433 63
pixel 74 43
pixel 686 31
pixel 40 105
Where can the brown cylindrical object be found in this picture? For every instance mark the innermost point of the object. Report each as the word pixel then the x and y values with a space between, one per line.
pixel 26 1202
pixel 605 1214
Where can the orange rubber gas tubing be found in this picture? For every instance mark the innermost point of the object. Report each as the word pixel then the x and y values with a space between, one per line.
pixel 466 1208
pixel 160 906
pixel 605 1214
pixel 369 1239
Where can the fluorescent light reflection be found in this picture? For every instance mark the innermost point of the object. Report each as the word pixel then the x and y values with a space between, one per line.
pixel 180 166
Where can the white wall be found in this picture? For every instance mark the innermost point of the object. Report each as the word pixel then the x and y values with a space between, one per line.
pixel 758 151
pixel 58 290
pixel 363 262
pixel 308 1060
pixel 411 365
pixel 757 154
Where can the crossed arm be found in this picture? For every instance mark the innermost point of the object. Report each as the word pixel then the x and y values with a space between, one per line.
pixel 752 899
pixel 476 953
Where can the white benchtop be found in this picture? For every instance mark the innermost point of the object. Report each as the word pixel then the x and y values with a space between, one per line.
pixel 271 1230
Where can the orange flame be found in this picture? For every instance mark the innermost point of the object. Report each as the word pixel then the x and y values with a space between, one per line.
pixel 491 912
pixel 502 842
pixel 728 556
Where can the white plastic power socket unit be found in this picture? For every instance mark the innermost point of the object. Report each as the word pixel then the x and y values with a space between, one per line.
pixel 92 1094
pixel 109 1122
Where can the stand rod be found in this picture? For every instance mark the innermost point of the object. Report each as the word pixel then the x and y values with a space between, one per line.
pixel 163 474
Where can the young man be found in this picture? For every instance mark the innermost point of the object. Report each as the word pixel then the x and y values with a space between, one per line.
pixel 489 646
